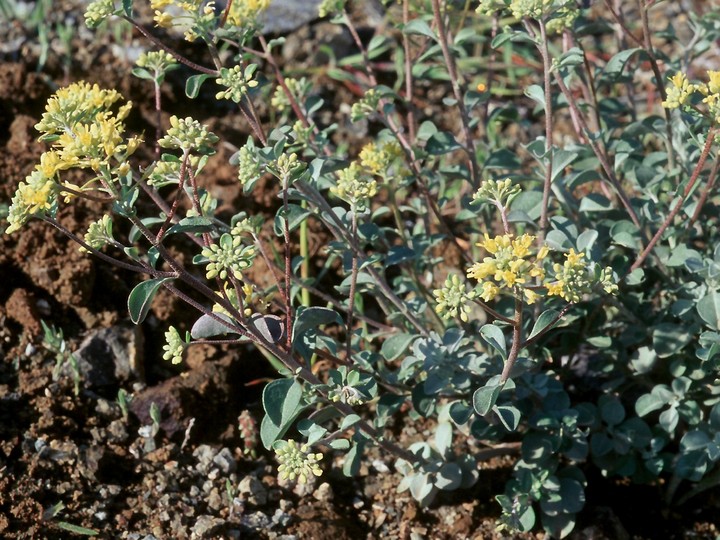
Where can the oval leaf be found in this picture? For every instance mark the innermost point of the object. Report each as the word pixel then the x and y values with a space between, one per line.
pixel 141 297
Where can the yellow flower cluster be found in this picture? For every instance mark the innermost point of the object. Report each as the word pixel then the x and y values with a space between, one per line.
pixel 245 12
pixel 377 158
pixel 354 185
pixel 85 133
pixel 572 277
pixel 680 91
pixel 512 265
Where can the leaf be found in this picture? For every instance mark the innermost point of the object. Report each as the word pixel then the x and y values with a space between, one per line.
pixel 420 27
pixel 399 254
pixel 442 142
pixel 193 84
pixel 207 326
pixel 296 215
pixel 594 202
pixel 270 327
pixel 351 466
pixel 709 310
pixel 349 421
pixel 194 224
pixel 537 94
pixel 668 338
pixel 648 403
pixel 282 402
pixel 141 297
pixel 561 159
pixel 127 8
pixel 617 63
pixel 77 529
pixel 508 415
pixel 395 345
pixel 449 477
pixel 545 321
pixel 495 338
pixel 484 398
pixel 312 317
pixel 443 437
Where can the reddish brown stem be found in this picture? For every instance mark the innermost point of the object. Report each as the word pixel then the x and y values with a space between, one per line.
pixel 688 189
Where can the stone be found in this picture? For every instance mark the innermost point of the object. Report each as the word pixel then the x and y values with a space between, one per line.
pixel 225 461
pixel 253 491
pixel 109 357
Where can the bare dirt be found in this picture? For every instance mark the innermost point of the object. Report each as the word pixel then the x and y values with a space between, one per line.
pixel 197 477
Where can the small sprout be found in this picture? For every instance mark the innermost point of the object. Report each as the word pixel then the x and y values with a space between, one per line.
pixel 123 400
pixel 296 461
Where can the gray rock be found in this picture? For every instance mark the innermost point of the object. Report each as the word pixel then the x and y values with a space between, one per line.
pixel 204 455
pixel 109 356
pixel 253 491
pixel 287 15
pixel 205 525
pixel 257 521
pixel 225 461
pixel 323 493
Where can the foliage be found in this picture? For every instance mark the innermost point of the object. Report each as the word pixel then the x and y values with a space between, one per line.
pixel 586 332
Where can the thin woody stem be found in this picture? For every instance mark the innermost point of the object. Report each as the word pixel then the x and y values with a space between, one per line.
pixel 179 57
pixel 688 189
pixel 516 339
pixel 353 285
pixel 457 92
pixel 545 53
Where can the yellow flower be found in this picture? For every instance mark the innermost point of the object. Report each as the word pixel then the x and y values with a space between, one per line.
pixel 512 264
pixel 163 20
pixel 680 92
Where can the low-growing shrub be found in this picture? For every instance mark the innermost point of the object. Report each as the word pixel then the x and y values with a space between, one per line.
pixel 524 254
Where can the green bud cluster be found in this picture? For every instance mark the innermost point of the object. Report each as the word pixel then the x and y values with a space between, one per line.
pixel 297 462
pixel 453 300
pixel 187 134
pixel 174 346
pixel 238 82
pixel 228 255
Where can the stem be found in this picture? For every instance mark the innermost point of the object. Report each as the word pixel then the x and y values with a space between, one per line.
pixel 158 119
pixel 170 214
pixel 712 179
pixel 304 254
pixel 696 173
pixel 408 75
pixel 107 258
pixel 288 266
pixel 599 153
pixel 179 57
pixel 353 285
pixel 517 336
pixel 452 71
pixel 545 53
